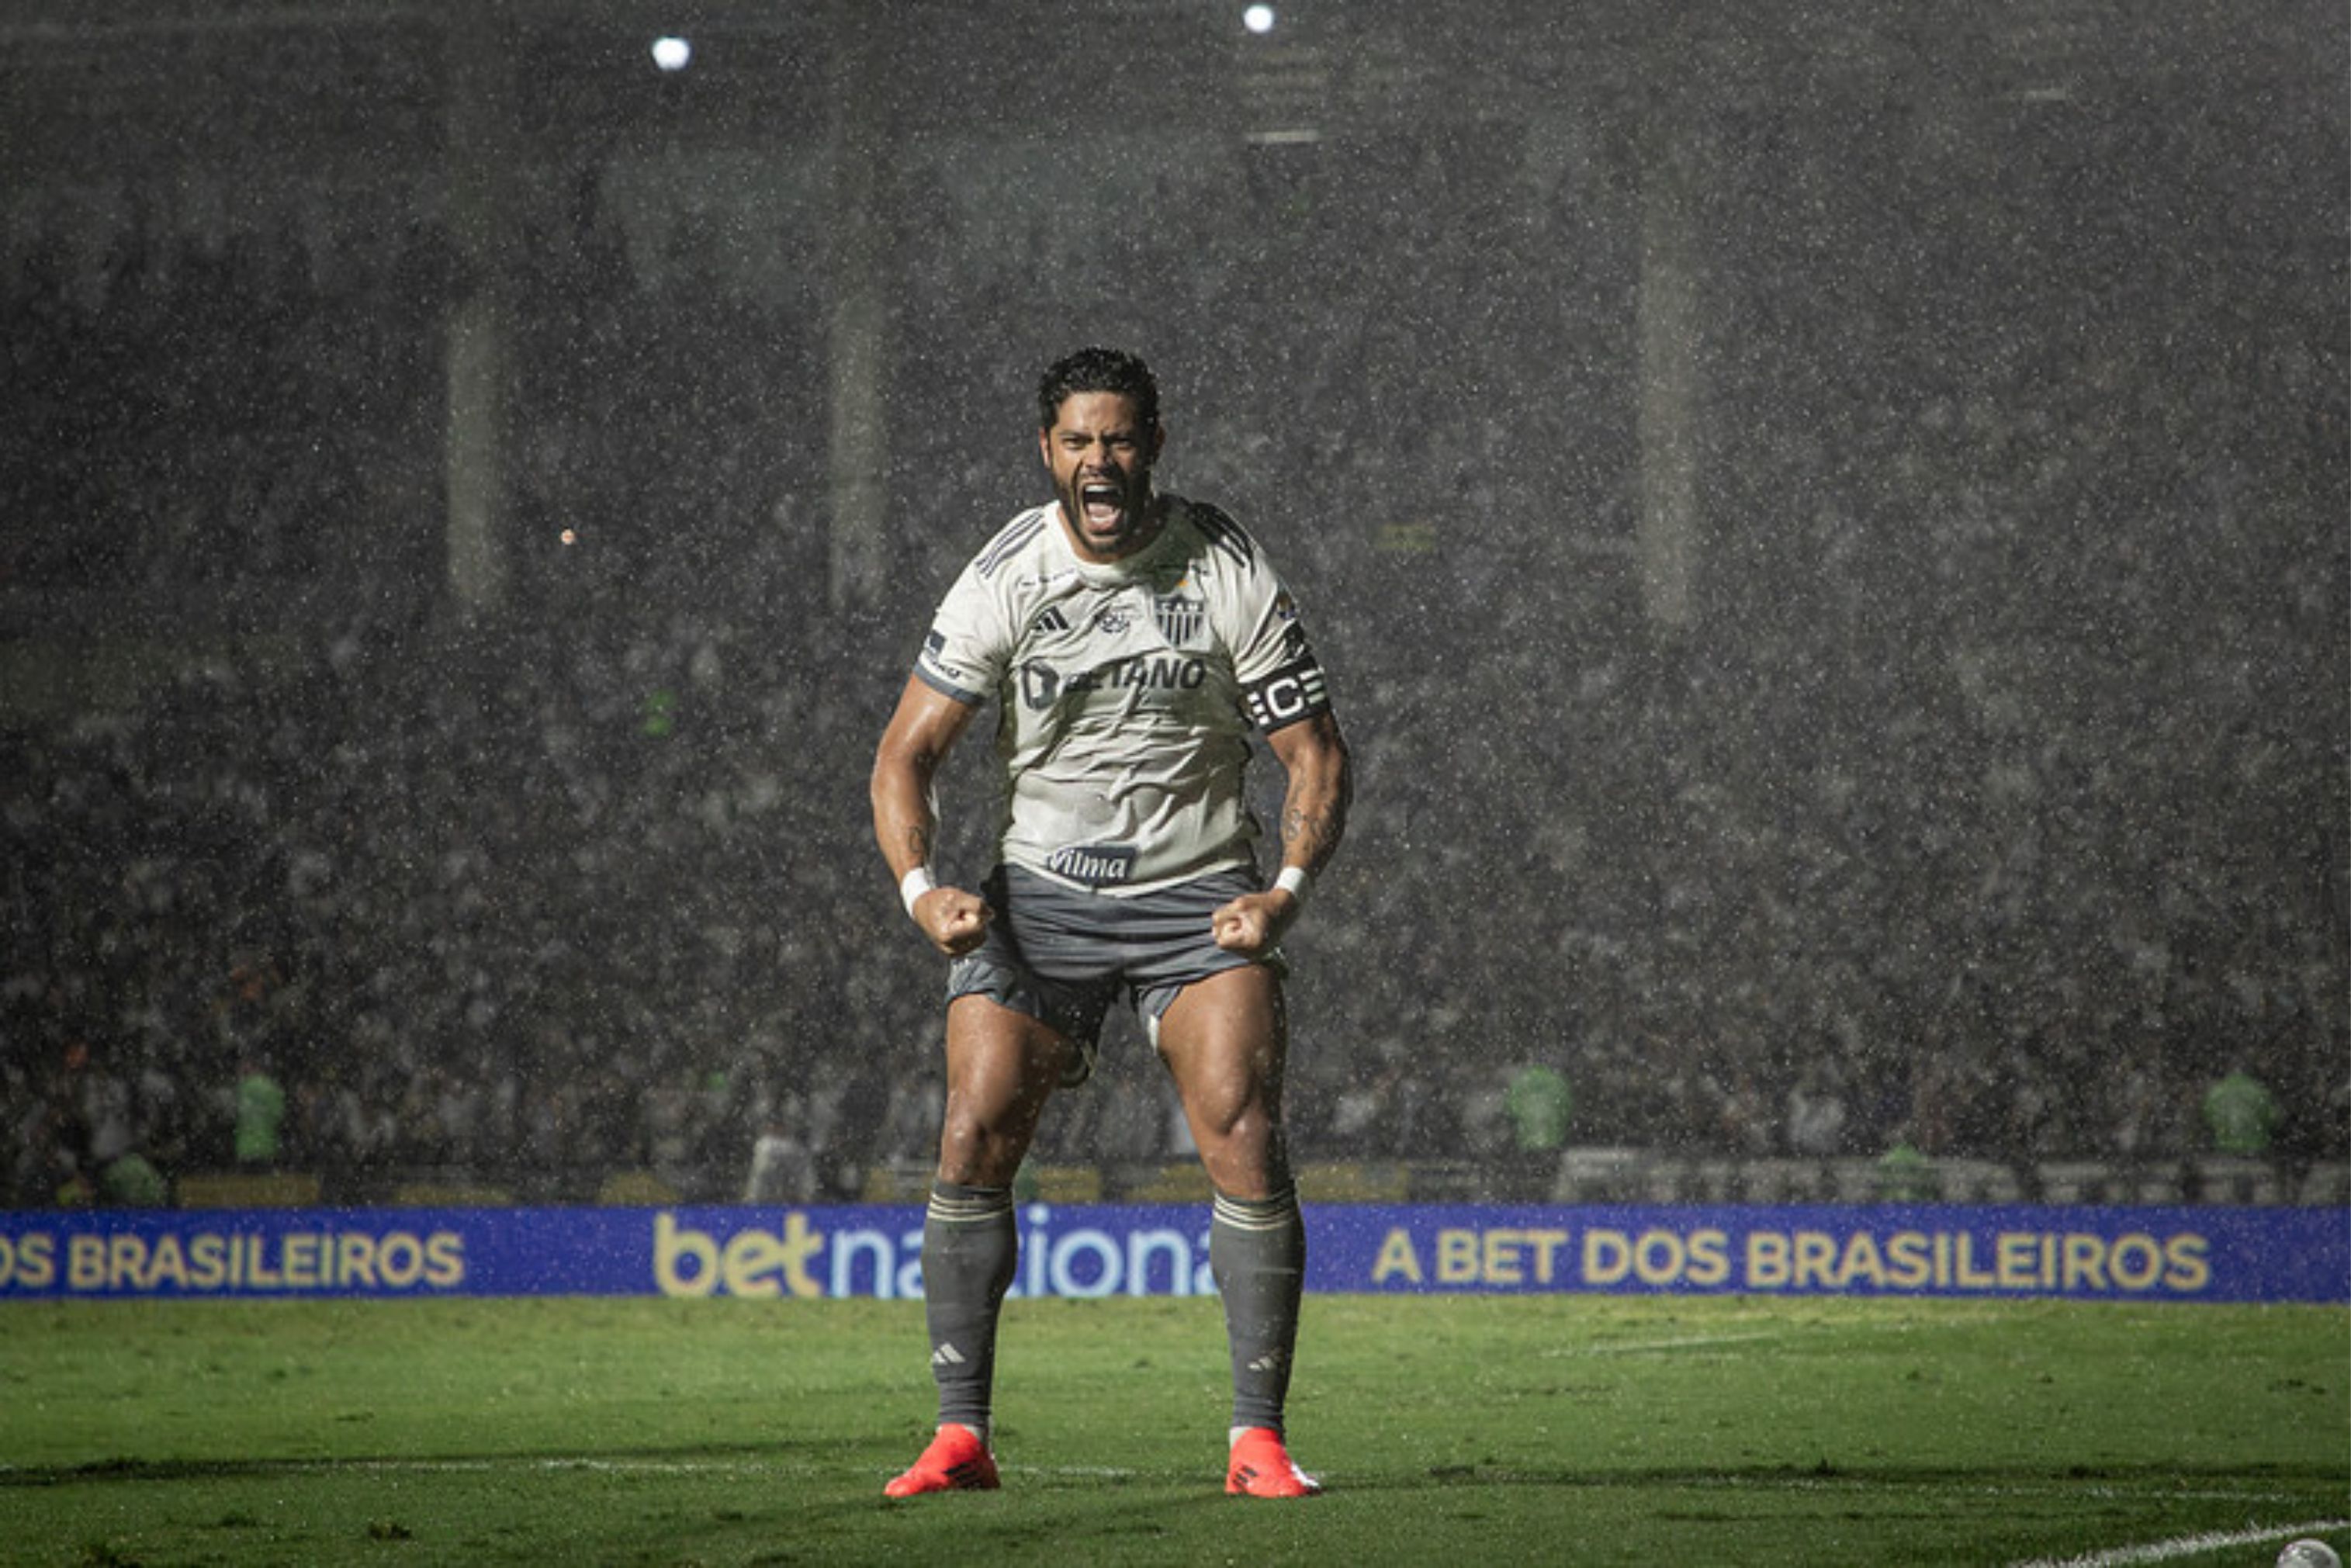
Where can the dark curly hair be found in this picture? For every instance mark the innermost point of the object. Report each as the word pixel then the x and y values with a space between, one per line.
pixel 1098 370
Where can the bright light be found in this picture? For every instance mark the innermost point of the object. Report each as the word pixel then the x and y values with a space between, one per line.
pixel 671 54
pixel 1257 18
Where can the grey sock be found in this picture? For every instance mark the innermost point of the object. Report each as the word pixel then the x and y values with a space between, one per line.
pixel 1257 1250
pixel 969 1249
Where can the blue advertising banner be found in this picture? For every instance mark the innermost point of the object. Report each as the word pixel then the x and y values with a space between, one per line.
pixel 2201 1254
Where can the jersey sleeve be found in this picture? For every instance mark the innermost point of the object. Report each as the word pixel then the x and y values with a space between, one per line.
pixel 1280 680
pixel 966 650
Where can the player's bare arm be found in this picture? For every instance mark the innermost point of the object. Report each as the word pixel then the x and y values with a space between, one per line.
pixel 1313 754
pixel 921 732
pixel 1313 757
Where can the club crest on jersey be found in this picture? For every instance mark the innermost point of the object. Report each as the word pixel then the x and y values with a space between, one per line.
pixel 1181 619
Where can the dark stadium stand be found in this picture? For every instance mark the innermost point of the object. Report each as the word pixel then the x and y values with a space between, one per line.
pixel 1839 603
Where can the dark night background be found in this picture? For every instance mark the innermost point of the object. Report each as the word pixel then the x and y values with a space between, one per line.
pixel 1827 524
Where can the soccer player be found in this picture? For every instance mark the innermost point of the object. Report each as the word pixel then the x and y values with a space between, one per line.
pixel 1131 639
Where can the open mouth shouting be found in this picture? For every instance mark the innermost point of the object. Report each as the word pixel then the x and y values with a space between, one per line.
pixel 1110 514
pixel 1102 506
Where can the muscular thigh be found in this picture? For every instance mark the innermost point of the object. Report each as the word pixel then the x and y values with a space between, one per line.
pixel 1002 1067
pixel 1225 1039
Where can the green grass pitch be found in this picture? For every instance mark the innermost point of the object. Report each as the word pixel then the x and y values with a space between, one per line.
pixel 1462 1428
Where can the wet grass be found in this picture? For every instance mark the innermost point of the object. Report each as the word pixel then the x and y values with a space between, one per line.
pixel 1574 1429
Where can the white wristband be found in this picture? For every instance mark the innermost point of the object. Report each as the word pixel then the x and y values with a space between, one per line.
pixel 1297 881
pixel 913 886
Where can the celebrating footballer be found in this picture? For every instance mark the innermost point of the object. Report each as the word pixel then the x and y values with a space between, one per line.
pixel 1132 641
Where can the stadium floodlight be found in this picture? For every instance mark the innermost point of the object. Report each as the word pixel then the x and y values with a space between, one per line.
pixel 672 53
pixel 1258 19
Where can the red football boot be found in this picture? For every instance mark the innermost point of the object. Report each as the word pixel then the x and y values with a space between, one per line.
pixel 957 1460
pixel 1261 1466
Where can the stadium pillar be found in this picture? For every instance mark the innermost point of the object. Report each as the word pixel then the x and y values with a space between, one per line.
pixel 1667 342
pixel 475 362
pixel 856 323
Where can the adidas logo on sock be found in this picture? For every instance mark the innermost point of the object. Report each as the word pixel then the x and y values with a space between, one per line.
pixel 946 1355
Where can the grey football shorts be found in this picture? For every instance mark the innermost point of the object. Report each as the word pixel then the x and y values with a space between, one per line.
pixel 1062 955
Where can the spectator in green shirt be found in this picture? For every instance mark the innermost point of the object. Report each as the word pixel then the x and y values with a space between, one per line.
pixel 1537 1103
pixel 2242 1113
pixel 260 1110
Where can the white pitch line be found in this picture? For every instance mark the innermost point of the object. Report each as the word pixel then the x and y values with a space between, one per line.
pixel 1644 1346
pixel 2187 1546
pixel 1867 1483
pixel 659 1466
pixel 1751 1336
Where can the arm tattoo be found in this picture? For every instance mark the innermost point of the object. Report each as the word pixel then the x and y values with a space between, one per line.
pixel 922 834
pixel 1319 831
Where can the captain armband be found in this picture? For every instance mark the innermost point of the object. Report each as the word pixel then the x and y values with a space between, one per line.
pixel 1294 692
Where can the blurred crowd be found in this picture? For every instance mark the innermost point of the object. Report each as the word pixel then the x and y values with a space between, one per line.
pixel 550 901
pixel 1987 800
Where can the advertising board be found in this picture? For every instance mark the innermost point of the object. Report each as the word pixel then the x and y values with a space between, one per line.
pixel 2176 1254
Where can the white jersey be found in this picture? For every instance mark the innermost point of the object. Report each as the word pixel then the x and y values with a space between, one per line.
pixel 1126 692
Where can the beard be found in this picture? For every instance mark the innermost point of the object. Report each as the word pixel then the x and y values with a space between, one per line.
pixel 1110 516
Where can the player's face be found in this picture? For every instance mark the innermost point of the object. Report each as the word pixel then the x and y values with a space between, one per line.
pixel 1100 455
